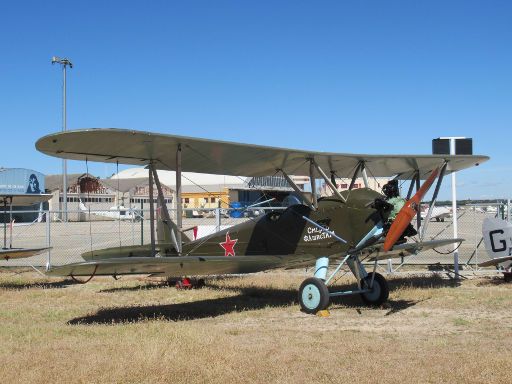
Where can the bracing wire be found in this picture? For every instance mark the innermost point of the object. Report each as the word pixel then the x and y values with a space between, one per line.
pixel 373 176
pixel 88 205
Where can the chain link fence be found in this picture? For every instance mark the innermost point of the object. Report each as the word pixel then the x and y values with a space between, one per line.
pixel 86 231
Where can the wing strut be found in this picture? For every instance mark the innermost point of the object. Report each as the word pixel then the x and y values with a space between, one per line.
pixel 151 211
pixel 328 182
pixel 418 217
pixel 165 212
pixel 415 176
pixel 296 188
pixel 359 169
pixel 433 201
pixel 179 206
pixel 365 177
pixel 312 181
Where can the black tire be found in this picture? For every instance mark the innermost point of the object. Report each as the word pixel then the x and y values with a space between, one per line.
pixel 380 290
pixel 313 295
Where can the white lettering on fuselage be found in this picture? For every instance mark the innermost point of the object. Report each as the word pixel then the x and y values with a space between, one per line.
pixel 315 234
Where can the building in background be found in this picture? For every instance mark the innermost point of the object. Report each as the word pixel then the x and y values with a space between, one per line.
pixel 200 190
pixel 130 189
pixel 99 194
pixel 375 183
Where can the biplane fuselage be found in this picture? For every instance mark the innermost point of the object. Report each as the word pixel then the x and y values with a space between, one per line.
pixel 286 233
pixel 279 233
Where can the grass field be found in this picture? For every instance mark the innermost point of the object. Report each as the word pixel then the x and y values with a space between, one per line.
pixel 250 330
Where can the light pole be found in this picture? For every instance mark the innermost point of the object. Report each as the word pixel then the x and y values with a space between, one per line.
pixel 64 63
pixel 454 206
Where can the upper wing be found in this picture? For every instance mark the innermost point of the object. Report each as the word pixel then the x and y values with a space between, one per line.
pixel 227 158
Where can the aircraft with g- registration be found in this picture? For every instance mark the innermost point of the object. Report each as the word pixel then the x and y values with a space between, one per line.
pixel 497 236
pixel 347 227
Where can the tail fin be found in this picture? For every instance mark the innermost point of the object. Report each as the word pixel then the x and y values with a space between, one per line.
pixel 497 236
pixel 82 206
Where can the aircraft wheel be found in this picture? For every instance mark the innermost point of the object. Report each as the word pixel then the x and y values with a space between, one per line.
pixel 380 290
pixel 313 295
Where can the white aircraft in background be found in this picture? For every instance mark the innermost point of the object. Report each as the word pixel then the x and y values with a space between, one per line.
pixel 438 213
pixel 116 213
pixel 497 234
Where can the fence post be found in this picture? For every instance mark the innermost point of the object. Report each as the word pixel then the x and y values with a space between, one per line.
pixel 217 219
pixel 48 240
pixel 142 223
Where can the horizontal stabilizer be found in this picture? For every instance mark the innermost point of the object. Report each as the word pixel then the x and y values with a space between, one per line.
pixel 495 261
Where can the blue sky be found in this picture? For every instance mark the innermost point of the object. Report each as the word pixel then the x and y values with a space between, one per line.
pixel 343 76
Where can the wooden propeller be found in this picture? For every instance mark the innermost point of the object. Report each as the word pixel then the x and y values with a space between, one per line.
pixel 407 213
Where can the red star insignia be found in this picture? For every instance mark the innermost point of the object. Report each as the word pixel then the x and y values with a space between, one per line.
pixel 229 246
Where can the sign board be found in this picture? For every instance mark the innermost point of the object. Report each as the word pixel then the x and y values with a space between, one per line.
pixel 20 181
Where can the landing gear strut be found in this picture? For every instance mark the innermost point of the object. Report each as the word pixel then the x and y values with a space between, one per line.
pixel 314 296
pixel 379 291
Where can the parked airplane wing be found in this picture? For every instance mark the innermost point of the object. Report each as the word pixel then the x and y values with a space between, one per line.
pixel 23 199
pixel 20 253
pixel 219 265
pixel 229 158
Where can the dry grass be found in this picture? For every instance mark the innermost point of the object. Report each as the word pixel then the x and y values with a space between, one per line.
pixel 250 330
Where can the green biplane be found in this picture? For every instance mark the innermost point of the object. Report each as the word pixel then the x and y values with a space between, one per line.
pixel 344 228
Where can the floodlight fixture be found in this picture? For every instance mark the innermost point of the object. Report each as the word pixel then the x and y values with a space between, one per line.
pixel 65 63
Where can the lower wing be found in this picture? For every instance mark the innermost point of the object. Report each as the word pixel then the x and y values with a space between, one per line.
pixel 219 265
pixel 376 252
pixel 496 261
pixel 178 265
